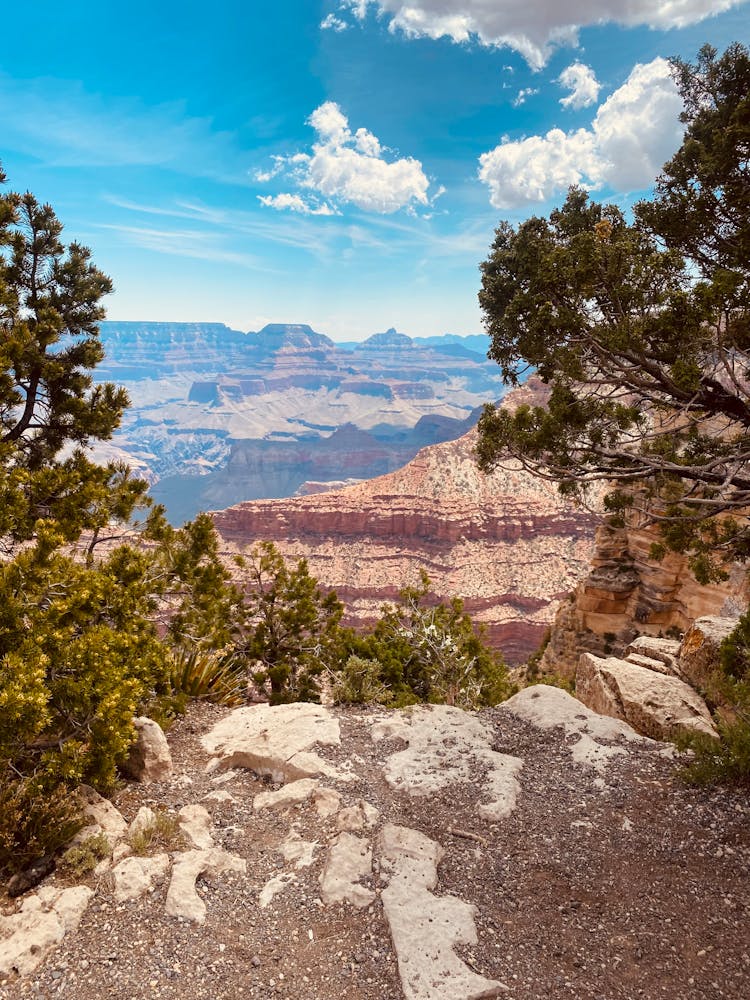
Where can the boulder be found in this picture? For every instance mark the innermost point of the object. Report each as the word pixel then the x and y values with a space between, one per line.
pixel 654 704
pixel 149 758
pixel 274 741
pixel 699 652
pixel 104 817
pixel 665 651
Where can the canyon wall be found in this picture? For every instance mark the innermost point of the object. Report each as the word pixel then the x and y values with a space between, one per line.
pixel 506 543
pixel 627 593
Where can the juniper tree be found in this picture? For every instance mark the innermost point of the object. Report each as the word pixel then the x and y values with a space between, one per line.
pixel 82 624
pixel 641 329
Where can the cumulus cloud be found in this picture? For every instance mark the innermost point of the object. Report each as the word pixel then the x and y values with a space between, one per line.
pixel 349 168
pixel 532 27
pixel 581 81
pixel 633 133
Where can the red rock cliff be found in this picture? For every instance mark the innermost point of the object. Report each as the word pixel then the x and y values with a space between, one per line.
pixel 506 543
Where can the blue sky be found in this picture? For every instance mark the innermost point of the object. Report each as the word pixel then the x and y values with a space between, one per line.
pixel 343 162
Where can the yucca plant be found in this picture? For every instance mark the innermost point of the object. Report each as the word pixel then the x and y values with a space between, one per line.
pixel 208 675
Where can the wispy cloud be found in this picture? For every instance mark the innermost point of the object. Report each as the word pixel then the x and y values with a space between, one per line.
pixel 196 244
pixel 62 124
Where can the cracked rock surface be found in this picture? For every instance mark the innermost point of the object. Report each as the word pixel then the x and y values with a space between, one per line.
pixel 536 851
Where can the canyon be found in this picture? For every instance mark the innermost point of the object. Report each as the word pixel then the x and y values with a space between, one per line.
pixel 218 416
pixel 506 543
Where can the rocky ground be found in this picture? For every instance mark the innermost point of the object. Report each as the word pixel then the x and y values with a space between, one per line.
pixel 534 851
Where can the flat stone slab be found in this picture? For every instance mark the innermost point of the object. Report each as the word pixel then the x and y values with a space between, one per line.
pixel 182 898
pixel 28 936
pixel 447 746
pixel 133 877
pixel 294 792
pixel 349 860
pixel 426 929
pixel 195 823
pixel 549 707
pixel 276 740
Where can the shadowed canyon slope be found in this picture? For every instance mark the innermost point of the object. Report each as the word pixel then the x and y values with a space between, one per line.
pixel 506 543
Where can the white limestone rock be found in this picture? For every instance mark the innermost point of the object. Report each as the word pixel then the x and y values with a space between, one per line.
pixel 133 877
pixel 149 758
pixel 297 851
pixel 195 823
pixel 349 860
pixel 360 816
pixel 327 801
pixel 182 897
pixel 665 651
pixel 273 887
pixel 103 815
pixel 447 746
pixel 145 820
pixel 28 936
pixel 221 795
pixel 426 929
pixel 294 792
pixel 274 740
pixel 654 704
pixel 699 651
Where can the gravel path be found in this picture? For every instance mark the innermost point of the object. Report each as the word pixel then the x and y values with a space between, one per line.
pixel 626 884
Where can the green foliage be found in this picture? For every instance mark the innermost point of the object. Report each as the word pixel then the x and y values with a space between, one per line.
pixel 35 820
pixel 80 859
pixel 207 675
pixel 163 834
pixel 291 631
pixel 642 332
pixel 94 585
pixel 434 654
pixel 359 683
pixel 727 760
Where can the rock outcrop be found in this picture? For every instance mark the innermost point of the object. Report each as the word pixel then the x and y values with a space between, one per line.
pixel 626 593
pixel 505 543
pixel 149 758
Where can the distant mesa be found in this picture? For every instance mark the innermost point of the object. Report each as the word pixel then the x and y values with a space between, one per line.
pixel 300 336
pixel 391 340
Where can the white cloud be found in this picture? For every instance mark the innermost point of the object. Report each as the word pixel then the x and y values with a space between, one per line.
pixel 581 81
pixel 523 94
pixel 347 167
pixel 294 203
pixel 532 27
pixel 633 133
pixel 332 23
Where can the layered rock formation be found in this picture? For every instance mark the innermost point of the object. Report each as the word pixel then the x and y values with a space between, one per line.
pixel 626 592
pixel 505 543
pixel 219 416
